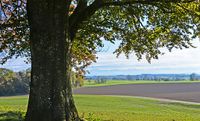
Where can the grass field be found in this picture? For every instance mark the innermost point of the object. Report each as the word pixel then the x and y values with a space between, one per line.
pixel 111 108
pixel 117 82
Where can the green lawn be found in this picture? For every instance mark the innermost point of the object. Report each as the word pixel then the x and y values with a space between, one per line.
pixel 112 108
pixel 117 82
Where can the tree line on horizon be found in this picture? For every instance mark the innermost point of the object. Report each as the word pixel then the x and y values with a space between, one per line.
pixel 18 83
pixel 155 77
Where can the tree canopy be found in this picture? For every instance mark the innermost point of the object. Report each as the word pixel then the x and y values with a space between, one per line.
pixel 142 26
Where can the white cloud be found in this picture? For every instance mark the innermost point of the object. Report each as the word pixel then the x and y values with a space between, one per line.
pixel 177 61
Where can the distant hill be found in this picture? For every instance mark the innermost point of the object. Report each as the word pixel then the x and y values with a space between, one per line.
pixel 165 77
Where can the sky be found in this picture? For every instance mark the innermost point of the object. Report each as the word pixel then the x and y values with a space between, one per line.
pixel 184 61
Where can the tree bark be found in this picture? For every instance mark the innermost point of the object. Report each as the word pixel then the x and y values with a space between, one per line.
pixel 72 113
pixel 50 96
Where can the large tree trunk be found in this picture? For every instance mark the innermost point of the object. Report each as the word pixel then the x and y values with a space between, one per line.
pixel 50 96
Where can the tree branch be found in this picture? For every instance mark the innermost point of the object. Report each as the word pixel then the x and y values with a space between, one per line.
pixel 81 13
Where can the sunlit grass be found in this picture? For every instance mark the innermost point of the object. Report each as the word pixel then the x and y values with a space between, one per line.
pixel 112 108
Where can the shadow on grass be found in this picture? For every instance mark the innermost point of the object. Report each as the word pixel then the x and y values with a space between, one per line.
pixel 18 116
pixel 11 116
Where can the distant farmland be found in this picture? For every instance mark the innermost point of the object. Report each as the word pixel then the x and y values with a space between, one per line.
pixel 94 83
pixel 175 91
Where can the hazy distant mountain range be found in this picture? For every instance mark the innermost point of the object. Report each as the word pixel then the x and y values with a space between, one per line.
pixel 165 77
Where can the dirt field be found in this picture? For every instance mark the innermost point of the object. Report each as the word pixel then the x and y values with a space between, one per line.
pixel 182 92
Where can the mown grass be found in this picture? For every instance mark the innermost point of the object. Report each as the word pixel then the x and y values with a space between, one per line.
pixel 119 82
pixel 111 108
